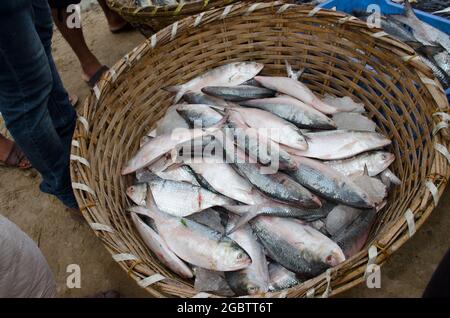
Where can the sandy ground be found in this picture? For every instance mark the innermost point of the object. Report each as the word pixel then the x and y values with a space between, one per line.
pixel 64 241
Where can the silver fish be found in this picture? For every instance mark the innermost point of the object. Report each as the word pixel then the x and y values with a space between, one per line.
pixel 211 282
pixel 159 146
pixel 442 59
pixel 182 199
pixel 389 178
pixel 374 188
pixel 138 193
pixel 272 127
pixel 296 246
pixel 195 243
pixel 198 115
pixel 294 111
pixel 440 74
pixel 296 89
pixel 200 98
pixel 353 121
pixel 257 146
pixel 278 186
pixel 225 180
pixel 238 93
pixel 425 33
pixel 375 162
pixel 340 144
pixel 329 183
pixel 353 237
pixel 144 140
pixel 343 104
pixel 210 218
pixel 253 279
pixel 272 208
pixel 158 246
pixel 281 278
pixel 164 162
pixel 252 82
pixel 180 173
pixel 226 75
pixel 320 226
pixel 340 217
pixel 170 121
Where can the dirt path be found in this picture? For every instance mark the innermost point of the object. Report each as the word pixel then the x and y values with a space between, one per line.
pixel 64 242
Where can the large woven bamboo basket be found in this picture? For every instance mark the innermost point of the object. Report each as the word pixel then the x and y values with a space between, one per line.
pixel 343 58
pixel 151 18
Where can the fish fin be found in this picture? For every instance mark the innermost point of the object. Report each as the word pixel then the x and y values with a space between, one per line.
pixel 291 73
pixel 220 109
pixel 409 12
pixel 244 219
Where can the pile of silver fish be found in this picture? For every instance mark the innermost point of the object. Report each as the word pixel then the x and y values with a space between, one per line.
pixel 251 184
pixel 432 45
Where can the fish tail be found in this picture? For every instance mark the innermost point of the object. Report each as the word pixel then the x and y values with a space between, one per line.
pixel 247 213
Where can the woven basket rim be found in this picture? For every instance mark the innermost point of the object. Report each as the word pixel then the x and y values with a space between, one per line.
pixel 183 8
pixel 387 242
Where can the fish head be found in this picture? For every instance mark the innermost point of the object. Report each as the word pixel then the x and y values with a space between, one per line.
pixel 385 157
pixel 138 193
pixel 335 257
pixel 246 283
pixel 236 257
pixel 364 200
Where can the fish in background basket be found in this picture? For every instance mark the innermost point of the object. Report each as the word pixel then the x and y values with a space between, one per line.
pixel 255 183
pixel 432 45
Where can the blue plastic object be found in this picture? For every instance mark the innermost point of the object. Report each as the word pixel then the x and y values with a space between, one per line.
pixel 388 7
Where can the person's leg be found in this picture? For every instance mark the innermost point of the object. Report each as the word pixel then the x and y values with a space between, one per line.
pixel 115 21
pixel 74 36
pixel 61 111
pixel 26 83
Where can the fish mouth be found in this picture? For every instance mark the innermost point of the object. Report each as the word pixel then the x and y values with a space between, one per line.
pixel 335 259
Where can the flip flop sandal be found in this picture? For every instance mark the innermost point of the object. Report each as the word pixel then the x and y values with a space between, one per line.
pixel 96 77
pixel 15 158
